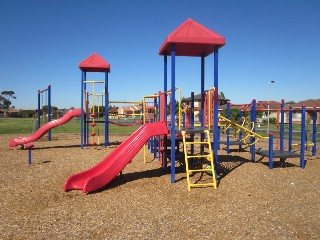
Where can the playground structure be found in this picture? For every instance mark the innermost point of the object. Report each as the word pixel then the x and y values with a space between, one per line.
pixel 168 125
pixel 280 152
pixel 181 42
pixel 93 63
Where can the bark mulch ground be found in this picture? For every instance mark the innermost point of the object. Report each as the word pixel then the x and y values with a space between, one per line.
pixel 251 202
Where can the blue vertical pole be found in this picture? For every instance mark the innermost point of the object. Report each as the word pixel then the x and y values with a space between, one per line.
pixel 39 119
pixel 106 110
pixel 202 94
pixel 202 113
pixel 282 125
pixel 82 115
pixel 215 109
pixel 29 155
pixel 303 136
pixel 192 121
pixel 270 150
pixel 228 130
pixel 290 130
pixel 192 109
pixel 314 131
pixel 49 110
pixel 173 113
pixel 253 120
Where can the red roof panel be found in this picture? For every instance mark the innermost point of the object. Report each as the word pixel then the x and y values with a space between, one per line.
pixel 192 39
pixel 94 63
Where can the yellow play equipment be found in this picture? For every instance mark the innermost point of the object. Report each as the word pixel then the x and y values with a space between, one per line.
pixel 204 167
pixel 248 129
pixel 94 116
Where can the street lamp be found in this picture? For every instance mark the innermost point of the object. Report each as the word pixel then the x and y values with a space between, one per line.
pixel 269 106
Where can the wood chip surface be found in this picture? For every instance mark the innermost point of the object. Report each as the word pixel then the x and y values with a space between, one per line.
pixel 251 202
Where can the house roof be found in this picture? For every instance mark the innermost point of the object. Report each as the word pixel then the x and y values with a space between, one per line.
pixel 192 39
pixel 307 103
pixel 94 63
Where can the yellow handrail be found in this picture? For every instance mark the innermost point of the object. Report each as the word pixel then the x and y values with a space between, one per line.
pixel 249 132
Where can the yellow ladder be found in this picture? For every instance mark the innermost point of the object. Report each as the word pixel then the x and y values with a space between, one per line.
pixel 208 157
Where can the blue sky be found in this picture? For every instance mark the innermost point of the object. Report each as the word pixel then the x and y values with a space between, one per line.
pixel 43 41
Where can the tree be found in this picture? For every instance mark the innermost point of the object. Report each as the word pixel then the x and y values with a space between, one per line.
pixel 222 95
pixel 290 102
pixel 5 99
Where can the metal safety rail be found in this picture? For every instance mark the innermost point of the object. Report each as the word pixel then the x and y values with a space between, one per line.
pixel 249 132
pixel 208 157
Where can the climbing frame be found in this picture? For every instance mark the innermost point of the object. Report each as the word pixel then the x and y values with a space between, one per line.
pixel 205 168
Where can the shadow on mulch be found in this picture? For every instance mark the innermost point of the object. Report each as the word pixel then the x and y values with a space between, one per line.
pixel 238 150
pixel 129 177
pixel 112 145
pixel 228 163
pixel 53 147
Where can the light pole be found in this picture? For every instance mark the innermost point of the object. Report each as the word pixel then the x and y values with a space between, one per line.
pixel 268 129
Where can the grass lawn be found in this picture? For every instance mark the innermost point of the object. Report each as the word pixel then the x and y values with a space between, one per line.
pixel 28 126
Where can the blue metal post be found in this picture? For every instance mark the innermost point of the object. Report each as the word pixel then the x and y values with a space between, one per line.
pixel 202 94
pixel 314 131
pixel 39 119
pixel 290 130
pixel 192 109
pixel 202 113
pixel 29 155
pixel 82 115
pixel 173 113
pixel 303 136
pixel 216 110
pixel 192 121
pixel 49 110
pixel 228 130
pixel 270 150
pixel 106 110
pixel 282 125
pixel 253 120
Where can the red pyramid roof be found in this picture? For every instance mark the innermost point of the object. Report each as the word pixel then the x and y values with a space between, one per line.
pixel 94 63
pixel 192 39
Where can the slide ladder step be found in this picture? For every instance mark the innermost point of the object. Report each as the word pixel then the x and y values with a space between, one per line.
pixel 207 168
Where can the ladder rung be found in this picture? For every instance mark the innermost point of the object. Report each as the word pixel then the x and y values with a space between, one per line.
pixel 197 143
pixel 198 156
pixel 201 184
pixel 199 170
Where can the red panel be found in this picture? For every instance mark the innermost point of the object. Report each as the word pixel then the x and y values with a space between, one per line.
pixel 192 39
pixel 94 63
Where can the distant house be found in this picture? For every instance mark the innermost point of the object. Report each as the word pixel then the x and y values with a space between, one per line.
pixel 11 112
pixel 129 111
pixel 296 114
pixel 274 111
pixel 113 111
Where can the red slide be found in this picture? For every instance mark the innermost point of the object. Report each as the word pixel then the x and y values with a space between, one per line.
pixel 103 173
pixel 45 128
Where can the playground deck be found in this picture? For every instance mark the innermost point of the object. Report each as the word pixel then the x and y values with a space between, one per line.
pixel 251 202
